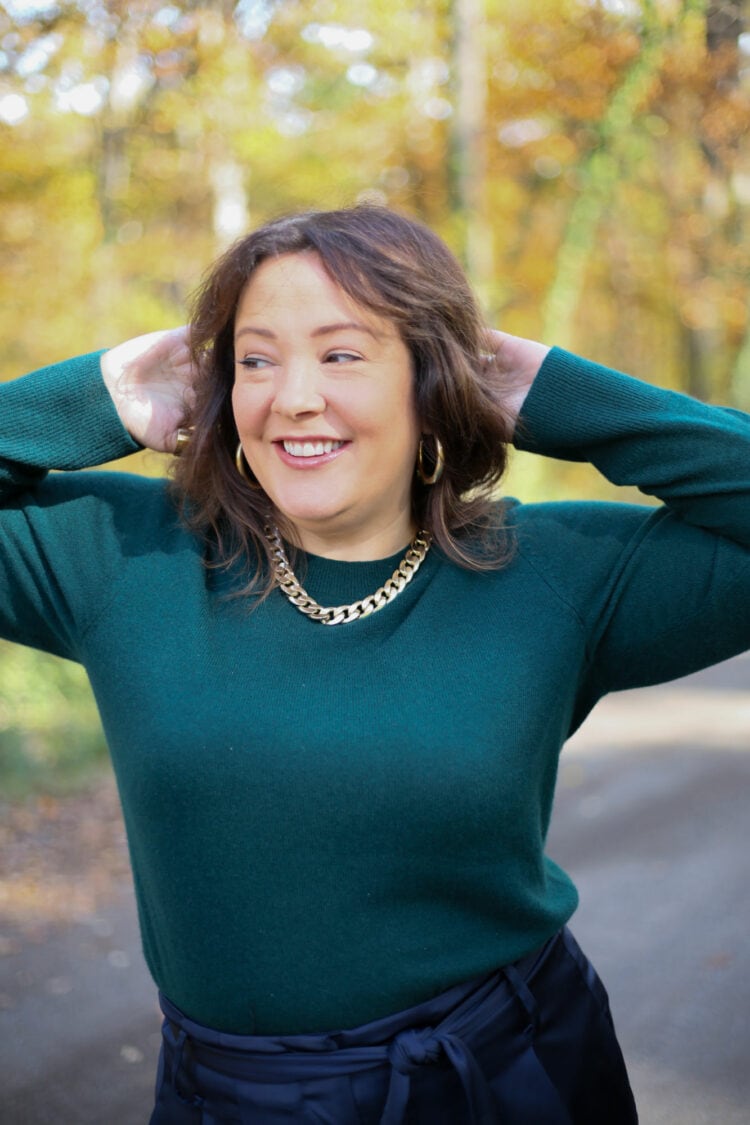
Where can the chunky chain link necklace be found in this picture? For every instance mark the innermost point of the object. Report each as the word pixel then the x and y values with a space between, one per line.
pixel 287 582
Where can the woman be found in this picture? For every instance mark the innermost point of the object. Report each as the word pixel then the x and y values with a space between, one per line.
pixel 337 793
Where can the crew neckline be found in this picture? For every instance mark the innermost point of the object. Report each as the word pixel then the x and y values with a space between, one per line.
pixel 340 582
pixel 384 560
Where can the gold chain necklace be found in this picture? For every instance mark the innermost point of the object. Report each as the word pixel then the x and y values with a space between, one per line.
pixel 287 582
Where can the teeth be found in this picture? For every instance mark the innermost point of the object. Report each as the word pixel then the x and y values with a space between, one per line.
pixel 311 448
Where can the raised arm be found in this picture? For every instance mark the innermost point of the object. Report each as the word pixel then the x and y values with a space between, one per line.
pixel 692 456
pixel 659 590
pixel 94 408
pixel 61 535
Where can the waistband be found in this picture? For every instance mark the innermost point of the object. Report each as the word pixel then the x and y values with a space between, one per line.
pixel 445 1028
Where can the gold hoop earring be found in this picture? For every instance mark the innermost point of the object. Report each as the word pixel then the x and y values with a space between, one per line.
pixel 437 472
pixel 182 440
pixel 242 467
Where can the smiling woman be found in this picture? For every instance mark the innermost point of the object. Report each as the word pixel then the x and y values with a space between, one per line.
pixel 338 835
pixel 323 402
pixel 355 327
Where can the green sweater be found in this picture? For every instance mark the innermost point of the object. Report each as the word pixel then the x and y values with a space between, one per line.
pixel 330 824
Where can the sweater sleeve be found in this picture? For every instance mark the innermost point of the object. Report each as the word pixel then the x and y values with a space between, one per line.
pixel 51 571
pixel 660 591
pixel 59 417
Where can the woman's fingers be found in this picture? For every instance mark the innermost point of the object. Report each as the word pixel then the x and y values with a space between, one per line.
pixel 150 379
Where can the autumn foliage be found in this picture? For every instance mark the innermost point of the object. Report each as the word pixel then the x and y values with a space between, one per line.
pixel 589 160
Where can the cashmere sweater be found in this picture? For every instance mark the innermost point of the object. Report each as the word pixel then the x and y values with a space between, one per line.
pixel 327 825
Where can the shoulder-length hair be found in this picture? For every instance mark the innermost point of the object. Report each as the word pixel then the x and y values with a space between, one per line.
pixel 400 270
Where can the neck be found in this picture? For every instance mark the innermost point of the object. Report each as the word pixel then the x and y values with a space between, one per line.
pixel 346 547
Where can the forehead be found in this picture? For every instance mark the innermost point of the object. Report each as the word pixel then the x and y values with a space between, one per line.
pixel 299 289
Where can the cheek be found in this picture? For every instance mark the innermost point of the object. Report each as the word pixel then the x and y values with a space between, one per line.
pixel 247 409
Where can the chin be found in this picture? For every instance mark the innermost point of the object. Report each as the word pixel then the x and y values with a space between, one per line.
pixel 318 520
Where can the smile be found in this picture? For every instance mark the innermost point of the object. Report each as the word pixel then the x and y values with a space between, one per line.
pixel 310 448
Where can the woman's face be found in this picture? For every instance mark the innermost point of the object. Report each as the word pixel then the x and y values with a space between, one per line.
pixel 323 401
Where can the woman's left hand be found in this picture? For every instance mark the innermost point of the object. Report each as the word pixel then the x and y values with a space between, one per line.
pixel 516 362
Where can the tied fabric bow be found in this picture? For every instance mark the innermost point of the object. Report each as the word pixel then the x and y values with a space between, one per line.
pixel 412 1049
pixel 524 1088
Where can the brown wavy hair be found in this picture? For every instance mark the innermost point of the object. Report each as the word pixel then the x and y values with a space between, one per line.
pixel 400 270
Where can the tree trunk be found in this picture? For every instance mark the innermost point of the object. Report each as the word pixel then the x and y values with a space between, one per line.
pixel 468 158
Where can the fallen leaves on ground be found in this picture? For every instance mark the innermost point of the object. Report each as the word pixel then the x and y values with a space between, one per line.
pixel 63 858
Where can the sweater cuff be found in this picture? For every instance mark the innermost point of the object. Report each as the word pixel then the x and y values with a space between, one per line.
pixel 575 404
pixel 64 417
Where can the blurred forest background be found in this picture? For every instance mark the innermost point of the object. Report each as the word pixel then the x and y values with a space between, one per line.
pixel 588 160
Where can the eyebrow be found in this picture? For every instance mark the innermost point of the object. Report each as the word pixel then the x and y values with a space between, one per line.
pixel 324 330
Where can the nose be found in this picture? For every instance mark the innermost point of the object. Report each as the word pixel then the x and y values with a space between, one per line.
pixel 298 392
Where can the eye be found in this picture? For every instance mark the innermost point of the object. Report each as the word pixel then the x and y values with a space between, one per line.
pixel 254 362
pixel 341 356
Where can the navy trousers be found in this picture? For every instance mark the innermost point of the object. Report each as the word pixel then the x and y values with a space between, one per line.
pixel 531 1044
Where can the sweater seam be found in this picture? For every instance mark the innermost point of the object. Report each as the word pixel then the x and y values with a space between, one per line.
pixel 627 557
pixel 78 636
pixel 569 605
pixel 659 638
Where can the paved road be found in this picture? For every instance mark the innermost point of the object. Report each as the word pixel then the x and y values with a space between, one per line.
pixel 651 820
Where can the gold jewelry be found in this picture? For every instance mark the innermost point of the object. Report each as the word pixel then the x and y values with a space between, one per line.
pixel 437 472
pixel 242 467
pixel 182 441
pixel 287 582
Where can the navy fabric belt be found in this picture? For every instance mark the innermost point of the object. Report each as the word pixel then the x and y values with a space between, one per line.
pixel 484 1031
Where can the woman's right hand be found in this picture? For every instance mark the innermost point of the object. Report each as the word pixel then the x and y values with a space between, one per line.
pixel 150 379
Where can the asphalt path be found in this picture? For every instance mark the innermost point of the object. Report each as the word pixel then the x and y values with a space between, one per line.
pixel 650 820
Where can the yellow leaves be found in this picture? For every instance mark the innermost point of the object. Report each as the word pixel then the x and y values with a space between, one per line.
pixel 622 48
pixel 691 50
pixel 609 144
pixel 707 305
pixel 699 309
pixel 212 28
pixel 18 223
pixel 735 310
